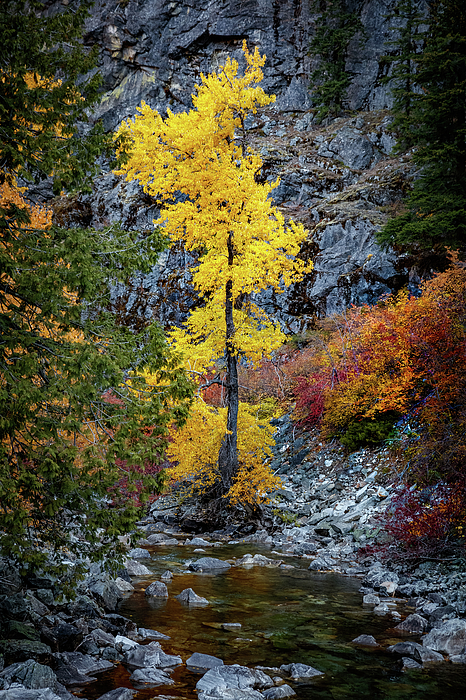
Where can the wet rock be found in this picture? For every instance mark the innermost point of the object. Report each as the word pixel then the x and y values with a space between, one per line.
pixel 202 662
pixel 105 591
pixel 450 637
pixel 231 626
pixel 123 585
pixel 152 635
pixel 14 629
pixel 75 669
pixel 135 568
pixel 371 599
pixel 85 607
pixel 150 655
pixel 30 674
pixel 416 651
pixel 10 580
pixel 139 553
pixel 209 564
pixel 22 693
pixel 407 663
pixel 13 607
pixel 198 542
pixel 157 589
pixel 365 640
pixel 158 538
pixel 296 671
pixel 118 694
pixel 150 677
pixel 413 624
pixel 322 563
pixel 188 596
pixel 167 575
pixel 282 691
pixel 234 677
pixel 124 644
pixel 231 694
pixel 376 576
pixel 257 560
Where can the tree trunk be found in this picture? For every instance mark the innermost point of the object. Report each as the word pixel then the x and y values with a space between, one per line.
pixel 228 454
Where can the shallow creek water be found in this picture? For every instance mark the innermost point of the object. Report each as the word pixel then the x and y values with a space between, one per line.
pixel 286 616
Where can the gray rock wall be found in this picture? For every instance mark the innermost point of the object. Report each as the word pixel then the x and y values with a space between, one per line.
pixel 340 180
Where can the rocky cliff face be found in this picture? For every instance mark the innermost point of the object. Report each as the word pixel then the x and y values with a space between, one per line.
pixel 339 179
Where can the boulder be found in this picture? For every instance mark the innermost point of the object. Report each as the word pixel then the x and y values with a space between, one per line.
pixel 10 580
pixel 235 677
pixel 371 599
pixel 413 624
pixel 123 585
pixel 30 674
pixel 13 607
pixel 63 637
pixel 450 637
pixel 209 564
pixel 23 649
pixel 416 651
pixel 75 669
pixel 157 538
pixel 157 589
pixel 322 563
pixel 282 691
pixel 118 694
pixel 150 655
pixel 188 596
pixel 21 693
pixel 150 677
pixel 296 671
pixel 365 640
pixel 152 635
pixel 231 694
pixel 135 568
pixel 105 591
pixel 202 662
pixel 139 553
pixel 198 542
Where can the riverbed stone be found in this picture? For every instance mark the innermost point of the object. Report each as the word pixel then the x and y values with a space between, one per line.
pixel 148 655
pixel 413 624
pixel 135 568
pixel 150 677
pixel 23 649
pixel 365 640
pixel 139 553
pixel 21 693
pixel 281 691
pixel 296 671
pixel 63 637
pixel 157 589
pixel 416 651
pixel 74 668
pixel 188 596
pixel 371 599
pixel 167 575
pixel 209 564
pixel 152 635
pixel 450 637
pixel 119 694
pixel 231 694
pixel 105 591
pixel 235 676
pixel 123 585
pixel 202 662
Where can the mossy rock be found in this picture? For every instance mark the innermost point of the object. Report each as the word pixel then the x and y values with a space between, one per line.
pixel 23 649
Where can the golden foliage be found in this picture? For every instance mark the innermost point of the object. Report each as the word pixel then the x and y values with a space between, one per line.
pixel 194 451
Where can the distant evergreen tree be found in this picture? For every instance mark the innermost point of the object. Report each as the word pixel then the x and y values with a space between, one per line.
pixel 330 43
pixel 402 78
pixel 436 126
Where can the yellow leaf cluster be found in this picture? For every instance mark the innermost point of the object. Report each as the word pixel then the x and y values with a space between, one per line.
pixel 194 449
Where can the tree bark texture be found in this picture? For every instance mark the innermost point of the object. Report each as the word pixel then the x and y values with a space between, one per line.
pixel 228 453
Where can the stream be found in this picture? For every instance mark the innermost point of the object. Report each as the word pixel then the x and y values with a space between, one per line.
pixel 287 615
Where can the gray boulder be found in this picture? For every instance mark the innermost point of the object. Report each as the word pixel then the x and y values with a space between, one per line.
pixel 231 694
pixel 139 553
pixel 296 671
pixel 157 589
pixel 198 542
pixel 135 568
pixel 416 651
pixel 150 677
pixel 74 669
pixel 365 640
pixel 282 691
pixel 235 677
pixel 450 637
pixel 118 694
pixel 413 624
pixel 202 662
pixel 21 693
pixel 371 599
pixel 150 655
pixel 209 564
pixel 188 596
pixel 152 635
pixel 30 674
pixel 105 591
pixel 322 563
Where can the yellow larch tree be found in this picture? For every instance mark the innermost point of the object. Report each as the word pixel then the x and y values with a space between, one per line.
pixel 197 165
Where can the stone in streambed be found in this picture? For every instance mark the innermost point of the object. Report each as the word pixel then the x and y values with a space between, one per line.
pixel 232 677
pixel 365 640
pixel 416 651
pixel 150 677
pixel 201 663
pixel 30 674
pixel 296 671
pixel 413 624
pixel 188 596
pixel 148 655
pixel 135 568
pixel 282 691
pixel 209 564
pixel 450 637
pixel 144 633
pixel 118 694
pixel 139 553
pixel 157 589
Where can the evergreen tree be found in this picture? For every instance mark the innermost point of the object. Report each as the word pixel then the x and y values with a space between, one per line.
pixel 337 26
pixel 76 411
pixel 402 78
pixel 436 126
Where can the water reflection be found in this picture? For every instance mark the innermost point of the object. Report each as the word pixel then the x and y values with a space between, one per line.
pixel 286 615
